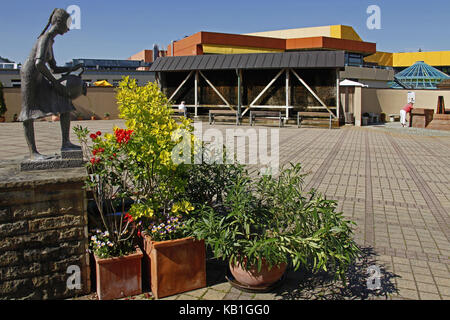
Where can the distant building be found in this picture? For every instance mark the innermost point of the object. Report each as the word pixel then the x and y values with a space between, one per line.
pixel 95 70
pixel 148 56
pixel 325 38
pixel 8 64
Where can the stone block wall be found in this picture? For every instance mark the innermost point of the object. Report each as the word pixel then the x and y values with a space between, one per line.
pixel 43 231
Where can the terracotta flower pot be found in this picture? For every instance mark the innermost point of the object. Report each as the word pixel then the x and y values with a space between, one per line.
pixel 55 118
pixel 174 266
pixel 120 276
pixel 2 119
pixel 253 278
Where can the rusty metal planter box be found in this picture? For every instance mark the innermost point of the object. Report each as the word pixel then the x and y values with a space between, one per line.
pixel 176 266
pixel 120 276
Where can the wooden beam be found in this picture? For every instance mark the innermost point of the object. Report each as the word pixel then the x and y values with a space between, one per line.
pixel 263 91
pixel 216 91
pixel 266 88
pixel 312 92
pixel 181 85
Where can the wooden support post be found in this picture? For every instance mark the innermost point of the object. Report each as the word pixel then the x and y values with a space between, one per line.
pixel 338 95
pixel 181 85
pixel 288 92
pixel 196 92
pixel 239 94
pixel 215 90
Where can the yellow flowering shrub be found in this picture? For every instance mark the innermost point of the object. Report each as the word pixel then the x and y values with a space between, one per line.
pixel 155 134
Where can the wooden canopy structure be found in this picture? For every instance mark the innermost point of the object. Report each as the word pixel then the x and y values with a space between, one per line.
pixel 253 81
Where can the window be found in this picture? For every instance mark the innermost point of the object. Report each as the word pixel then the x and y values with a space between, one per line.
pixel 353 59
pixel 15 83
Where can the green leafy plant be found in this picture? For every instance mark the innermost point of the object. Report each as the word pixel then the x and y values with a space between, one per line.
pixel 3 108
pixel 271 218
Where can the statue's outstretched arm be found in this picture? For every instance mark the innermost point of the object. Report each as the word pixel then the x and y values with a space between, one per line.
pixel 58 70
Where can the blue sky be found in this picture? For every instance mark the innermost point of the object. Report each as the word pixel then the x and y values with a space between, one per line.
pixel 117 29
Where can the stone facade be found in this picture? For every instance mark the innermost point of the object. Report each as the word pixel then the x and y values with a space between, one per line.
pixel 43 231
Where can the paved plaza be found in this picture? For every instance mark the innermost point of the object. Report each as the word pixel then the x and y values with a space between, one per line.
pixel 393 182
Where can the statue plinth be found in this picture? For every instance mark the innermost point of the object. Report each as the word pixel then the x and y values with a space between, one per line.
pixel 67 159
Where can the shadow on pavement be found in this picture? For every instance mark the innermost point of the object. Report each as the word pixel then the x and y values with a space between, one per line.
pixel 303 284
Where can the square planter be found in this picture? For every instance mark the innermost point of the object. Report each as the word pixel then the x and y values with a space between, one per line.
pixel 120 276
pixel 175 266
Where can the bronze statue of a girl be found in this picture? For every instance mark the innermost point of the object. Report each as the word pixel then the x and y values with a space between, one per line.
pixel 42 93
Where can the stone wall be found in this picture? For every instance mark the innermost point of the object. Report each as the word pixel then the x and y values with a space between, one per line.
pixel 43 231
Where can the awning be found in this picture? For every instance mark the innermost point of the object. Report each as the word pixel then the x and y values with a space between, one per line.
pixel 102 83
pixel 350 83
pixel 301 60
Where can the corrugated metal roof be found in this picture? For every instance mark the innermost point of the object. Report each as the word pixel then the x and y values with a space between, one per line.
pixel 303 59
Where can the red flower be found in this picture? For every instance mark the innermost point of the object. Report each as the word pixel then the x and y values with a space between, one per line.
pixel 122 135
pixel 95 160
pixel 128 218
pixel 93 136
pixel 99 133
pixel 139 233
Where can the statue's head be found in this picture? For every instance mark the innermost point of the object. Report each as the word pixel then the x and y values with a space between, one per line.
pixel 60 21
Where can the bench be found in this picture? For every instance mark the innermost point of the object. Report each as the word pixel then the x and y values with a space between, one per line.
pixel 321 115
pixel 180 113
pixel 222 113
pixel 266 114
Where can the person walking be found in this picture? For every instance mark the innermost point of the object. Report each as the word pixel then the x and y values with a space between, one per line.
pixel 405 110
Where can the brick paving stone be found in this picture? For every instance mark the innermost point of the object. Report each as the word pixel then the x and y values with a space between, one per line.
pixel 198 292
pixel 264 296
pixel 213 295
pixel 409 294
pixel 429 296
pixel 406 284
pixel 186 297
pixel 426 287
pixel 442 281
pixel 231 296
pixel 224 287
pixel 424 278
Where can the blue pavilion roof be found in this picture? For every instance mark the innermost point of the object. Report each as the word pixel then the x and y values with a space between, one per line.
pixel 420 76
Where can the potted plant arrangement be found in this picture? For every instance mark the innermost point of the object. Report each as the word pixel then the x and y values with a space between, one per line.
pixel 267 223
pixel 117 256
pixel 106 116
pixel 93 116
pixel 55 117
pixel 3 108
pixel 135 164
pixel 175 263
